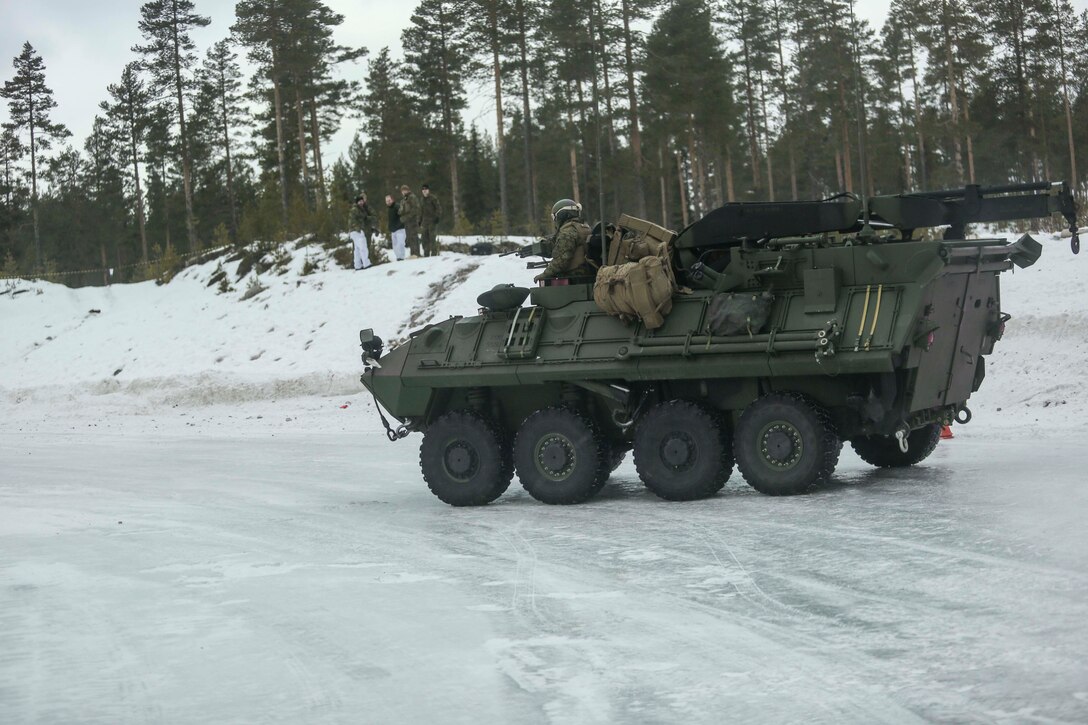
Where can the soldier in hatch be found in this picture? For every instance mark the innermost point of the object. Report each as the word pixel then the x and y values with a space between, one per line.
pixel 569 258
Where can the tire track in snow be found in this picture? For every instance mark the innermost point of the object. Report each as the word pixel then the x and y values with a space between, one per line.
pixel 423 311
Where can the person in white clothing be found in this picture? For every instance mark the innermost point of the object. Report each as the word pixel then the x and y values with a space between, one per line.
pixel 363 225
pixel 397 234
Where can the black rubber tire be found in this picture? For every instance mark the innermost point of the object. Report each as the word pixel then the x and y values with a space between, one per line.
pixel 883 451
pixel 560 456
pixel 785 445
pixel 463 459
pixel 683 451
pixel 616 456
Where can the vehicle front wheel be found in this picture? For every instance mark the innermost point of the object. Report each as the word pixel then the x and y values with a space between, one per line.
pixel 560 456
pixel 785 445
pixel 682 451
pixel 884 451
pixel 463 460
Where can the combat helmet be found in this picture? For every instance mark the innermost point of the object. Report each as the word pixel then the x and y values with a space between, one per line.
pixel 564 210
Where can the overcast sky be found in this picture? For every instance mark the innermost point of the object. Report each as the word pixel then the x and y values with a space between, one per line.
pixel 85 45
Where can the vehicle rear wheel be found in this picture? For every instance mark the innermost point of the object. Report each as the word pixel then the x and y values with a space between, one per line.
pixel 560 456
pixel 785 445
pixel 884 452
pixel 682 451
pixel 463 459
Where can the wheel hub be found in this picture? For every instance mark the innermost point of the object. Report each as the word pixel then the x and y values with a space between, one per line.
pixel 677 450
pixel 461 460
pixel 781 445
pixel 555 456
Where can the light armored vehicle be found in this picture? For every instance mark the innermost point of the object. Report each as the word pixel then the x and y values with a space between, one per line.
pixel 789 328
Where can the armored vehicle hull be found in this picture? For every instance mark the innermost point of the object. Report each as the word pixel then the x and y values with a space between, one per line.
pixel 833 338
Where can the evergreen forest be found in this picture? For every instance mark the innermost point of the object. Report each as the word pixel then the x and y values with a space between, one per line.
pixel 663 109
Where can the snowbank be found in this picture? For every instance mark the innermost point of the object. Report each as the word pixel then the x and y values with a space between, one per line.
pixel 186 343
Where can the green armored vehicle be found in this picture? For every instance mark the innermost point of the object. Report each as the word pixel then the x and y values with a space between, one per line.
pixel 787 329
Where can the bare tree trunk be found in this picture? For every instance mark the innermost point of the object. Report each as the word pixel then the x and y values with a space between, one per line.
pixel 785 100
pixel 34 185
pixel 500 145
pixel 908 172
pixel 661 178
pixel 917 118
pixel 1068 112
pixel 526 115
pixel 683 191
pixel 304 167
pixel 698 177
pixel 165 200
pixel 766 139
pixel 277 97
pixel 573 151
pixel 582 125
pixel 139 194
pixel 731 194
pixel 447 117
pixel 230 167
pixel 848 164
pixel 719 182
pixel 970 142
pixel 315 151
pixel 186 159
pixel 950 73
pixel 632 110
pixel 750 118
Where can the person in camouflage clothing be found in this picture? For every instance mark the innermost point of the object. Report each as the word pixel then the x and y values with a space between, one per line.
pixel 569 258
pixel 409 211
pixel 362 227
pixel 429 216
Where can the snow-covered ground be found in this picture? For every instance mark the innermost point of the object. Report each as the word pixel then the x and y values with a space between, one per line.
pixel 200 520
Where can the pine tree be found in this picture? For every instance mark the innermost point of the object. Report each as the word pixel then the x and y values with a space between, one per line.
pixel 478 192
pixel 12 191
pixel 751 26
pixel 29 104
pixel 438 58
pixel 952 36
pixel 221 82
pixel 128 112
pixel 394 131
pixel 686 82
pixel 487 27
pixel 632 12
pixel 259 27
pixel 165 25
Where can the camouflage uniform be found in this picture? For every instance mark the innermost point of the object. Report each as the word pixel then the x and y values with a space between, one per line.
pixel 569 253
pixel 429 215
pixel 362 223
pixel 408 208
pixel 364 219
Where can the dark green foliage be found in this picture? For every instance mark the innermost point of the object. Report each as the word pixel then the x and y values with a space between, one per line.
pixel 29 103
pixel 492 105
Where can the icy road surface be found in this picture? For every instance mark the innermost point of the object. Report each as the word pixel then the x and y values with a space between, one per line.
pixel 232 573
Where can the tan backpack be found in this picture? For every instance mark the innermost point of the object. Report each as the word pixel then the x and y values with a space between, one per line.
pixel 639 290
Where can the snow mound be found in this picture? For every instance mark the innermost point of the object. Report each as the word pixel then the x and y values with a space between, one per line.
pixel 288 327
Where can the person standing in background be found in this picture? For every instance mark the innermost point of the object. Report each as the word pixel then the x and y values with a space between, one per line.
pixel 408 209
pixel 429 216
pixel 362 226
pixel 396 228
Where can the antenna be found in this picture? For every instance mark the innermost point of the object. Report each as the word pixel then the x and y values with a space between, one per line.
pixel 855 62
pixel 594 29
